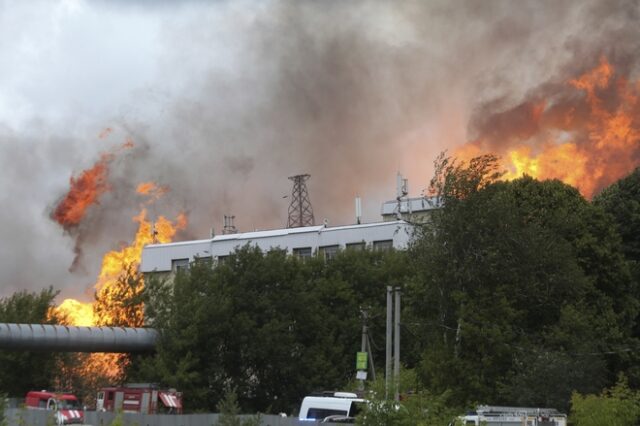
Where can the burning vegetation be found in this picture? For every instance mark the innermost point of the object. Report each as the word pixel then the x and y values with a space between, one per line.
pixel 119 285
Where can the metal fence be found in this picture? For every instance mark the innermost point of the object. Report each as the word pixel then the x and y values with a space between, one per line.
pixel 24 417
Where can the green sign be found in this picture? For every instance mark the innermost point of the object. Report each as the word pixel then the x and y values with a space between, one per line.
pixel 361 361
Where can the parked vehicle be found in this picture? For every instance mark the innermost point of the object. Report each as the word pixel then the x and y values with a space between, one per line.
pixel 514 416
pixel 66 407
pixel 331 406
pixel 139 398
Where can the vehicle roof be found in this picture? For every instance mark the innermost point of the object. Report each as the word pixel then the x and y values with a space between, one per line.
pixel 329 402
pixel 51 394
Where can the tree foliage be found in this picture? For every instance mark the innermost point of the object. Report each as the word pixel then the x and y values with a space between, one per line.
pixel 514 293
pixel 272 326
pixel 617 406
pixel 25 371
pixel 520 290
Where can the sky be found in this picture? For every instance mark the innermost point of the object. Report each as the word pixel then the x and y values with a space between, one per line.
pixel 224 100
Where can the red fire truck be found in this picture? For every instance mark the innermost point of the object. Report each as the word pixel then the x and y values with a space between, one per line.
pixel 67 409
pixel 139 398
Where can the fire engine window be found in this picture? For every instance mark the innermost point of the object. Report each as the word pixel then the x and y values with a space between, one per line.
pixel 42 403
pixel 69 404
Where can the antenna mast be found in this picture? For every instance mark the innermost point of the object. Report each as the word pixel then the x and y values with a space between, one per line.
pixel 300 210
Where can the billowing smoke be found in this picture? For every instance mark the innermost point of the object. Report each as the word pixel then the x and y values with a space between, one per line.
pixel 224 100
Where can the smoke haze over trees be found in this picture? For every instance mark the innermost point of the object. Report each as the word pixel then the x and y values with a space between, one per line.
pixel 224 100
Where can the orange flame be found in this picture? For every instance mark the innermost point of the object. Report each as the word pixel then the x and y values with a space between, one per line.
pixel 77 313
pixel 113 288
pixel 587 136
pixel 85 191
pixel 151 190
pixel 115 264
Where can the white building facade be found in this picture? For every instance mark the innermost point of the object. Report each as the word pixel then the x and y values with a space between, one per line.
pixel 303 242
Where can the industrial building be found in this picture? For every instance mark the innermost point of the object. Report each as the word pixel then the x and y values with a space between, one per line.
pixel 298 239
pixel 302 241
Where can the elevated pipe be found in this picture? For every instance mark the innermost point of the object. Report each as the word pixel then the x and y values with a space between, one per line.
pixel 65 338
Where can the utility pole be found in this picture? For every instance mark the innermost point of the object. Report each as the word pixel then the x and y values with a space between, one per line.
pixel 393 340
pixel 387 369
pixel 363 345
pixel 396 349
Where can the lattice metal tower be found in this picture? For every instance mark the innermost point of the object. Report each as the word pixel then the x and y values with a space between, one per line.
pixel 300 210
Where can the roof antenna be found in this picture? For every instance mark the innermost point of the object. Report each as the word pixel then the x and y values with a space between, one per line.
pixel 402 189
pixel 229 227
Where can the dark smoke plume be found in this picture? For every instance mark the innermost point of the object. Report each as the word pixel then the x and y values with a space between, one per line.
pixel 225 100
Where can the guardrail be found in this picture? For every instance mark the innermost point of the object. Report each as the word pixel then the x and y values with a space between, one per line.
pixel 22 416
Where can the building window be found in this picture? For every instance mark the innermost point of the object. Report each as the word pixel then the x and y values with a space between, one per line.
pixel 384 245
pixel 302 252
pixel 356 246
pixel 223 259
pixel 328 252
pixel 203 261
pixel 178 265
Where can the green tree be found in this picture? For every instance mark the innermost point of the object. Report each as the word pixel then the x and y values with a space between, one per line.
pixel 24 371
pixel 617 406
pixel 417 406
pixel 516 283
pixel 273 326
pixel 622 201
pixel 230 412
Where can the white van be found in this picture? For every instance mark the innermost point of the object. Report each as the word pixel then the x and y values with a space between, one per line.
pixel 334 405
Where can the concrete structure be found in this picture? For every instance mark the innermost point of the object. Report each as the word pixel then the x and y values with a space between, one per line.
pixel 303 241
pixel 61 338
pixel 414 210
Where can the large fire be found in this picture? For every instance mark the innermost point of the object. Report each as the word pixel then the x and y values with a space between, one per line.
pixel 586 133
pixel 118 281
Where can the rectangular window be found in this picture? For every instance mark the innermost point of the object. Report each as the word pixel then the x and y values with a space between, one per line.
pixel 356 246
pixel 204 261
pixel 222 260
pixel 328 252
pixel 178 265
pixel 383 245
pixel 302 252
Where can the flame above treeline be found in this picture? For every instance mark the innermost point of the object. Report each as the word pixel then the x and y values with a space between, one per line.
pixel 585 132
pixel 112 286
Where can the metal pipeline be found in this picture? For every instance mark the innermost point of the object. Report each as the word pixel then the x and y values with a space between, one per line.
pixel 64 338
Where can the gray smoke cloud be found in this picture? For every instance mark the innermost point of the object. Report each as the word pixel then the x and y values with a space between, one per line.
pixel 225 100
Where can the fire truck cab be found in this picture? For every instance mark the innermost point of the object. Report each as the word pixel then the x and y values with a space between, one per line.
pixel 144 398
pixel 66 407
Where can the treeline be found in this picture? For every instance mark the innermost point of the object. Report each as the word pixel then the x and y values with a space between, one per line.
pixel 514 293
